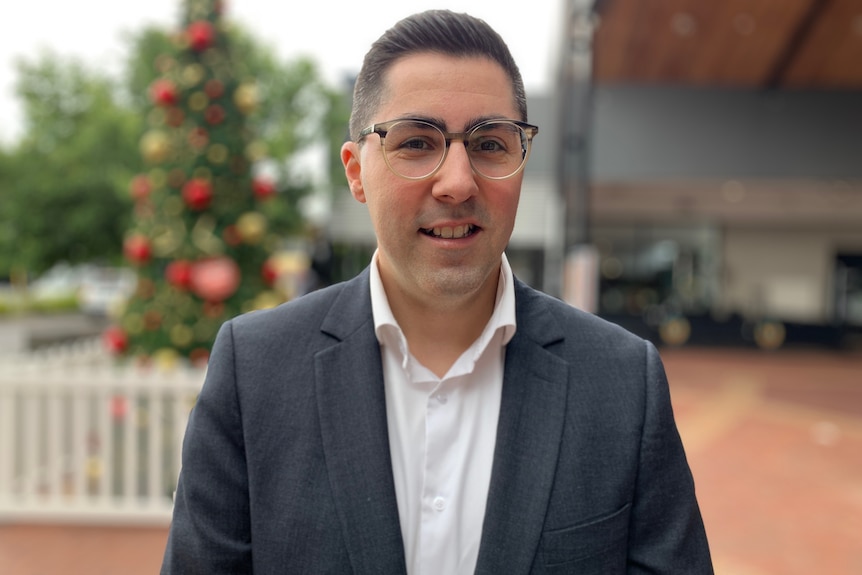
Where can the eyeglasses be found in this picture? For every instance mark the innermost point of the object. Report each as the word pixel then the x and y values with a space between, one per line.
pixel 415 149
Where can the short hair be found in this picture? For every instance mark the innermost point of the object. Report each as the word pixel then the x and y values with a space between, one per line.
pixel 441 31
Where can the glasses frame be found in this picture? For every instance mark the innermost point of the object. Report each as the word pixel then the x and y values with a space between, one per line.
pixel 382 128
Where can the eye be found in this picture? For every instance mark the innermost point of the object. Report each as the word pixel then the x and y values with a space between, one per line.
pixel 486 144
pixel 417 143
pixel 496 138
pixel 414 138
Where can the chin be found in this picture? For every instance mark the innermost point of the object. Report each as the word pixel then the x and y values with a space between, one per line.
pixel 456 282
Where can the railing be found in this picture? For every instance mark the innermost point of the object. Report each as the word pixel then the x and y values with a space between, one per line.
pixel 85 439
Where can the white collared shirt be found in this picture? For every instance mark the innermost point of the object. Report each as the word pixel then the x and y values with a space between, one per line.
pixel 442 433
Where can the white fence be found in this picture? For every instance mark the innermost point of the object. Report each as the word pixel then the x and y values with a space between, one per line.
pixel 84 439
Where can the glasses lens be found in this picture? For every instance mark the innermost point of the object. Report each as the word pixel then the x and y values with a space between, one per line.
pixel 414 149
pixel 497 149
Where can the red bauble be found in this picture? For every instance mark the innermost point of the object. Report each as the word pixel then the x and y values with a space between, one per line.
pixel 179 273
pixel 175 117
pixel 199 357
pixel 215 279
pixel 201 35
pixel 263 188
pixel 137 249
pixel 115 339
pixel 140 187
pixel 213 309
pixel 269 272
pixel 214 115
pixel 231 236
pixel 198 138
pixel 198 193
pixel 152 319
pixel 163 92
pixel 214 89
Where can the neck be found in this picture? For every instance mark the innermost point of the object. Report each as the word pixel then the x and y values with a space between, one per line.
pixel 439 332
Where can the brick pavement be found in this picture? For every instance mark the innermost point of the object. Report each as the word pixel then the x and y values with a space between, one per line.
pixel 774 441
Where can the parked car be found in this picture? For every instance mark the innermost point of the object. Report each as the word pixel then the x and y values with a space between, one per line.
pixel 104 290
pixel 97 289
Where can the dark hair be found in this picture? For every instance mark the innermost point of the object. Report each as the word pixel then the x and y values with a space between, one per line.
pixel 439 31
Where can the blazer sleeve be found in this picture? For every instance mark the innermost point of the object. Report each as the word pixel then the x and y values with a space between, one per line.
pixel 210 530
pixel 666 530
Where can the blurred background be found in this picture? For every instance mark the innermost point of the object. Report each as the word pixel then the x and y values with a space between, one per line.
pixel 697 179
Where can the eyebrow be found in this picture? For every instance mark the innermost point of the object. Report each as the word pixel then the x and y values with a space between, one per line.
pixel 441 123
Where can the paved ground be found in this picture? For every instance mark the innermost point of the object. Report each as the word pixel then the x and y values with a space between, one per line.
pixel 775 444
pixel 774 441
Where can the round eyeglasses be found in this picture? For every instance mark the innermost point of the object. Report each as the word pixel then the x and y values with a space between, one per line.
pixel 415 149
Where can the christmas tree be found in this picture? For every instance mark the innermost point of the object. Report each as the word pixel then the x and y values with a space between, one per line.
pixel 201 239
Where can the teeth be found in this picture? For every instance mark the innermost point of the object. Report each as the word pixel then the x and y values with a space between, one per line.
pixel 449 233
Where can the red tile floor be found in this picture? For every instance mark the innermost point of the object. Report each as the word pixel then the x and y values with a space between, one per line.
pixel 774 441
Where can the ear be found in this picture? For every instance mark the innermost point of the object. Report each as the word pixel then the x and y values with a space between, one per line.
pixel 353 169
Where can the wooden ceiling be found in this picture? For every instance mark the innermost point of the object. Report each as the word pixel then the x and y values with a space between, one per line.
pixel 770 44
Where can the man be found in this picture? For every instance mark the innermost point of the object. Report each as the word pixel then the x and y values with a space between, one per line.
pixel 434 415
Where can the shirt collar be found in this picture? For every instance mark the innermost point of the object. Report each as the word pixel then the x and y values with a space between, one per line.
pixel 388 331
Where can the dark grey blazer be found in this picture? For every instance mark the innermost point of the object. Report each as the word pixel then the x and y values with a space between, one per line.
pixel 286 466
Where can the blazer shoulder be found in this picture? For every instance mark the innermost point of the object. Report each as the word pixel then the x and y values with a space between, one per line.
pixel 309 314
pixel 542 314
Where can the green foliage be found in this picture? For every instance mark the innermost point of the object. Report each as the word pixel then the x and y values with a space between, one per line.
pixel 220 109
pixel 63 183
pixel 296 108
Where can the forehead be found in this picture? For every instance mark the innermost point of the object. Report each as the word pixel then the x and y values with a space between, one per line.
pixel 457 90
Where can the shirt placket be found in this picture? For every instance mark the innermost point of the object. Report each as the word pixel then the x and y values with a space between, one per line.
pixel 439 494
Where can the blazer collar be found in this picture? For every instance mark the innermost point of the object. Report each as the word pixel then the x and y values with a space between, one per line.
pixel 351 406
pixel 532 414
pixel 352 410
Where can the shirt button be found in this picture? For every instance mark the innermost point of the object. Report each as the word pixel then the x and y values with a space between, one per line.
pixel 439 504
pixel 442 398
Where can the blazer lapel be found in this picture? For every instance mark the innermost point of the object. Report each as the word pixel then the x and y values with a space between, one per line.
pixel 352 410
pixel 532 415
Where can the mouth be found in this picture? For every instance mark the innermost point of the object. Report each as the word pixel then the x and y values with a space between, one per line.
pixel 453 232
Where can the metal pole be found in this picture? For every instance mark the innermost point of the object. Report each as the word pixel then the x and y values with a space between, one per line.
pixel 575 115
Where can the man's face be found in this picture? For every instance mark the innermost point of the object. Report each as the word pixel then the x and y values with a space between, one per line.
pixel 441 237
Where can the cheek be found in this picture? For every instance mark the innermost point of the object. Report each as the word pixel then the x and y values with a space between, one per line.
pixel 386 204
pixel 506 206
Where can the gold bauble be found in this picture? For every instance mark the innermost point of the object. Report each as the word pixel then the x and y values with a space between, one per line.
pixel 251 227
pixel 181 335
pixel 204 237
pixel 155 146
pixel 166 358
pixel 266 300
pixel 217 153
pixel 193 74
pixel 133 323
pixel 246 98
pixel 198 101
pixel 168 237
pixel 256 151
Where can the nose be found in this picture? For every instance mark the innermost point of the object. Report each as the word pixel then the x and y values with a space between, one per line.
pixel 455 181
